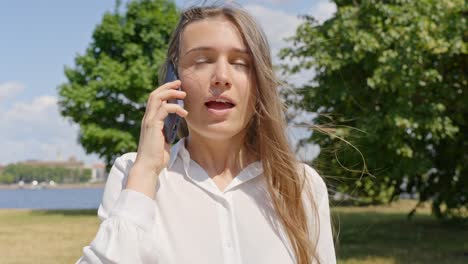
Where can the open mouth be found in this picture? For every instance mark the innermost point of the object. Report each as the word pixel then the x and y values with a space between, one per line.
pixel 219 105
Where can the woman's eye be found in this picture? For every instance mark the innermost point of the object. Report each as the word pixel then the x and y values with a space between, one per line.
pixel 201 60
pixel 241 64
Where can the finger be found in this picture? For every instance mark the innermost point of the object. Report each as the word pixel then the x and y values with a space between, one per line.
pixel 152 106
pixel 166 108
pixel 169 94
pixel 175 108
pixel 169 85
pixel 156 100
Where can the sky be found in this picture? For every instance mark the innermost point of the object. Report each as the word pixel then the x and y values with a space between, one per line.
pixel 37 40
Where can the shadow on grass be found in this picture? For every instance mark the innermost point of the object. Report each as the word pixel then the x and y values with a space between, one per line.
pixel 423 239
pixel 67 212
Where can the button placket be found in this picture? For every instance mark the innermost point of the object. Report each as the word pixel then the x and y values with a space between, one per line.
pixel 233 228
pixel 226 231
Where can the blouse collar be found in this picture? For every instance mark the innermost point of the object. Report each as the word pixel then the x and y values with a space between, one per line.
pixel 178 150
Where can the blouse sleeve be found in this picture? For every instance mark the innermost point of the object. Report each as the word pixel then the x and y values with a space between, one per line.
pixel 126 233
pixel 325 247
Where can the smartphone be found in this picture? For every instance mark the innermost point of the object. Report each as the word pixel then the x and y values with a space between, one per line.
pixel 172 121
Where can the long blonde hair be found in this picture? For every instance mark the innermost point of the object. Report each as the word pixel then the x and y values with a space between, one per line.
pixel 266 131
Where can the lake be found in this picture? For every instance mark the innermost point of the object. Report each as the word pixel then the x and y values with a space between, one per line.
pixel 73 198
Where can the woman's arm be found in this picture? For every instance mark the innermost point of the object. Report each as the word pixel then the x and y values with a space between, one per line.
pixel 126 233
pixel 325 247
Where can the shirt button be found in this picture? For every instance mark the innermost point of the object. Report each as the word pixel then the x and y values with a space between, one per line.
pixel 228 244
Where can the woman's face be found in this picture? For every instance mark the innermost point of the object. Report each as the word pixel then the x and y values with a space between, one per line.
pixel 214 63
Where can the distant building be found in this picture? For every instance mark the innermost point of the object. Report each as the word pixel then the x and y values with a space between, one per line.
pixel 98 171
pixel 71 163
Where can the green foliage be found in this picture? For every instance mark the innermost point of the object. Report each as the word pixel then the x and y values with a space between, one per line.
pixel 108 88
pixel 28 173
pixel 397 71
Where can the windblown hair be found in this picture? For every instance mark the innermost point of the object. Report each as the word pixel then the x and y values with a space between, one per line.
pixel 266 132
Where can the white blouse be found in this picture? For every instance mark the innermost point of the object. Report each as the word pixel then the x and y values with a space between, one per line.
pixel 192 221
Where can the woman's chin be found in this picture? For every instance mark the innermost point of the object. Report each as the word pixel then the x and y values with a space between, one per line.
pixel 218 131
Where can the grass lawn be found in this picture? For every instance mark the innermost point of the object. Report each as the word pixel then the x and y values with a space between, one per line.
pixel 379 235
pixel 45 236
pixel 383 235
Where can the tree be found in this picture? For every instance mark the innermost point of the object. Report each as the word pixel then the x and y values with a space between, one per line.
pixel 393 75
pixel 107 90
pixel 28 173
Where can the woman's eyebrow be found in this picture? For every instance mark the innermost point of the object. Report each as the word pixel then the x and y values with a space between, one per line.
pixel 211 49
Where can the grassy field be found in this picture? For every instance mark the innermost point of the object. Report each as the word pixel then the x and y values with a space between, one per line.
pixel 383 235
pixel 377 235
pixel 45 236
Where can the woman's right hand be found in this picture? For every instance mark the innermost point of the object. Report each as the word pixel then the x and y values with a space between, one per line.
pixel 153 152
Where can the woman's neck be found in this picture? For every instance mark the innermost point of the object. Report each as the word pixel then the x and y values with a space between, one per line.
pixel 225 158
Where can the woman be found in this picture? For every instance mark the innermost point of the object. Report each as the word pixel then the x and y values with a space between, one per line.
pixel 231 190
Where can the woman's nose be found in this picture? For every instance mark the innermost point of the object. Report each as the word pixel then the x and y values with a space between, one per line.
pixel 221 77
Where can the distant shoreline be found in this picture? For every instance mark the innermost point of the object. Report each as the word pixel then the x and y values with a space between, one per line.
pixel 57 186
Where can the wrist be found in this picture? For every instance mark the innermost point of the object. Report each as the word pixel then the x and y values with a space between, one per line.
pixel 142 180
pixel 146 169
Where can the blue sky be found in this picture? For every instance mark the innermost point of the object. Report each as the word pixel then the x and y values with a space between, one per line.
pixel 37 40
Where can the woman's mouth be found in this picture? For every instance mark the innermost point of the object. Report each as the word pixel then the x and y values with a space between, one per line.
pixel 219 105
pixel 219 108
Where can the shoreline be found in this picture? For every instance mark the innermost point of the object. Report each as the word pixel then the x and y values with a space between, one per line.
pixel 57 186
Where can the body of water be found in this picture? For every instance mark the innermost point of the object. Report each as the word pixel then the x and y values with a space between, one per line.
pixel 75 198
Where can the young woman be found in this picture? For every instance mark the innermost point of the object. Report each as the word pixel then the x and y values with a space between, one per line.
pixel 231 190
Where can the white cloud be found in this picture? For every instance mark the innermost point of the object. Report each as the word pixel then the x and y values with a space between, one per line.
pixel 277 25
pixel 323 10
pixel 9 89
pixel 35 130
pixel 36 110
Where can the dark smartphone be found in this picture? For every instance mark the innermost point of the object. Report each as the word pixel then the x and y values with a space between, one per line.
pixel 172 121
